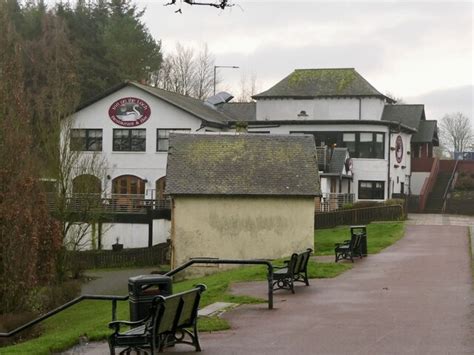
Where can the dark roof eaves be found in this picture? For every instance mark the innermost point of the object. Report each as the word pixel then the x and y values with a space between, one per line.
pixel 310 97
pixel 126 83
pixel 303 122
pixel 220 194
pixel 209 123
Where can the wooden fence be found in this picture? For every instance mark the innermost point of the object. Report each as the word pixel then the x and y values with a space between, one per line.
pixel 96 259
pixel 358 216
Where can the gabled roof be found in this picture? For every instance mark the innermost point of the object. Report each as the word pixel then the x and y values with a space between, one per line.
pixel 312 83
pixel 427 133
pixel 239 111
pixel 409 115
pixel 413 116
pixel 242 164
pixel 338 159
pixel 193 106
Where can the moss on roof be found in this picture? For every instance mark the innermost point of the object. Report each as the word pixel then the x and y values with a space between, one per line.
pixel 209 164
pixel 311 83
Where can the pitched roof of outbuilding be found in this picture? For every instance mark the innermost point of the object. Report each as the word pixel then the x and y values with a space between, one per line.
pixel 242 164
pixel 311 83
pixel 191 105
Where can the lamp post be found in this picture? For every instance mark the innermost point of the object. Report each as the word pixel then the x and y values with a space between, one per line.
pixel 221 66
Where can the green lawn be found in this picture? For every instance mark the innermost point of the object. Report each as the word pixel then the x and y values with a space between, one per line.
pixel 379 236
pixel 90 318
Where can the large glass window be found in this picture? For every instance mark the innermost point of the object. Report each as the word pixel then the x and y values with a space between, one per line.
pixel 349 140
pixel 162 138
pixel 129 140
pixel 359 144
pixel 371 190
pixel 364 144
pixel 86 140
pixel 378 146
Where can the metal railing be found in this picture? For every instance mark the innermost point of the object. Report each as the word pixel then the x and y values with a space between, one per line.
pixel 117 203
pixel 334 201
pixel 428 184
pixel 114 300
pixel 234 262
pixel 449 186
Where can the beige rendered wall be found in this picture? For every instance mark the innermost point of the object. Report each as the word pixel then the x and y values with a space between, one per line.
pixel 241 227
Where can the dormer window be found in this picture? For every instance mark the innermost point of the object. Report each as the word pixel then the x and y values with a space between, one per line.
pixel 302 114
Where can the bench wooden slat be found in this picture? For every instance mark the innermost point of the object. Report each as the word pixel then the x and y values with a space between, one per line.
pixel 295 271
pixel 172 320
pixel 349 248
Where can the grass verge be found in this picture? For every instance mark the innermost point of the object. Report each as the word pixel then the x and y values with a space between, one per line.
pixel 90 318
pixel 379 236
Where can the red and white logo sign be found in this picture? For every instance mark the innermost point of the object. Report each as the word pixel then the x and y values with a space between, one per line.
pixel 399 149
pixel 129 112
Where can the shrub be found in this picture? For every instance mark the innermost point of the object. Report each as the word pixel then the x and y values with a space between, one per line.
pixel 365 204
pixel 465 181
pixel 49 298
pixel 347 206
pixel 394 201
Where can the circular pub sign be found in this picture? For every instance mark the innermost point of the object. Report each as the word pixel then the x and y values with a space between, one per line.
pixel 399 149
pixel 129 112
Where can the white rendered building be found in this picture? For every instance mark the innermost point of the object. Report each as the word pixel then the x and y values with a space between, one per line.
pixel 363 139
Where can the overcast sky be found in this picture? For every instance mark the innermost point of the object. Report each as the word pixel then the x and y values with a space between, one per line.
pixel 419 51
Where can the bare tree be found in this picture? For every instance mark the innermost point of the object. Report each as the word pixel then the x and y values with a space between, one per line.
pixel 186 72
pixel 456 131
pixel 398 99
pixel 78 203
pixel 248 88
pixel 204 79
pixel 183 70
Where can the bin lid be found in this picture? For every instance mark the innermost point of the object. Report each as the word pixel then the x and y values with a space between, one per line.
pixel 148 278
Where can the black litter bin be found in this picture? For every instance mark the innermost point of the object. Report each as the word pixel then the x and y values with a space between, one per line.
pixel 142 289
pixel 362 231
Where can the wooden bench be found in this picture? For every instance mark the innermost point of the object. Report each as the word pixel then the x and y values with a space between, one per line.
pixel 349 248
pixel 294 271
pixel 172 320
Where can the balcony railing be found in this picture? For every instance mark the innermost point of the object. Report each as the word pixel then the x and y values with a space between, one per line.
pixel 333 201
pixel 117 203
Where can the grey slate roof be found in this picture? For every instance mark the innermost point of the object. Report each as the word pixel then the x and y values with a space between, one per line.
pixel 242 164
pixel 336 164
pixel 311 83
pixel 409 115
pixel 413 116
pixel 193 106
pixel 240 111
pixel 427 132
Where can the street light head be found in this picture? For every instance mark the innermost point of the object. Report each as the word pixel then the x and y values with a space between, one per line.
pixel 221 66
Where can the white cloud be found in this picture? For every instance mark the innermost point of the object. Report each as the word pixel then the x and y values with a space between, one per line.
pixel 404 47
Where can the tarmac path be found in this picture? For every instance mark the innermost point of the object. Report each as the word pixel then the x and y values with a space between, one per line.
pixel 415 297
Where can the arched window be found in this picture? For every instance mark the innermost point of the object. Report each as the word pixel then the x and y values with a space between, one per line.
pixel 128 193
pixel 160 188
pixel 128 185
pixel 86 184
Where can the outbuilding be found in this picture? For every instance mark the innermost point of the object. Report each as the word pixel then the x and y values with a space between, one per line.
pixel 241 196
